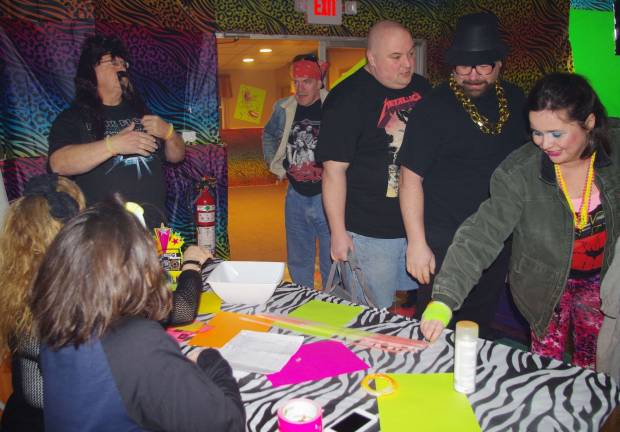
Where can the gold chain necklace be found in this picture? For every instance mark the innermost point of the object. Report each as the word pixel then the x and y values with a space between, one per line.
pixel 481 121
pixel 585 198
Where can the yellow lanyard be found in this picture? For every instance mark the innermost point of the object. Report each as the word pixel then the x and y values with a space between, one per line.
pixel 585 199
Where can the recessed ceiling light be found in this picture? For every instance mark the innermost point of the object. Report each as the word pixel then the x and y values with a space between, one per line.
pixel 265 50
pixel 248 60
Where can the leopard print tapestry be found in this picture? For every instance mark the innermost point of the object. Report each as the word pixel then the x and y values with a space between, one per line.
pixel 535 30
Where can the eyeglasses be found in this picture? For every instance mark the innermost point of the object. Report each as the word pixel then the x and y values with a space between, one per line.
pixel 116 62
pixel 481 69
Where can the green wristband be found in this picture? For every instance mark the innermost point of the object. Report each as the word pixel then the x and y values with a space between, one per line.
pixel 439 311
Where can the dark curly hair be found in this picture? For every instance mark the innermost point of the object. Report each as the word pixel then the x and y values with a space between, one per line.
pixel 87 99
pixel 561 91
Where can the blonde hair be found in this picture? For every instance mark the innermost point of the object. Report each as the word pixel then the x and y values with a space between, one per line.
pixel 28 230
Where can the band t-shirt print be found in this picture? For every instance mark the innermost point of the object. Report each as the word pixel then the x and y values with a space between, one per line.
pixel 393 120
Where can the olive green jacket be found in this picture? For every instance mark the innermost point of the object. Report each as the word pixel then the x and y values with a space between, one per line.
pixel 526 202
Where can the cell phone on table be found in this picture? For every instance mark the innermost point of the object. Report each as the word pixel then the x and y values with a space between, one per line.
pixel 357 420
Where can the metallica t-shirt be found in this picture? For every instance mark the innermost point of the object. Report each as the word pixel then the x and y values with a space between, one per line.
pixel 363 124
pixel 138 178
pixel 302 170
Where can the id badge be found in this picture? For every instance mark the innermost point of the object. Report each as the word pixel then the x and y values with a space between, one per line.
pixel 392 185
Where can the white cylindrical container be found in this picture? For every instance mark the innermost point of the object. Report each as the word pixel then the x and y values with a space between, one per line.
pixel 465 355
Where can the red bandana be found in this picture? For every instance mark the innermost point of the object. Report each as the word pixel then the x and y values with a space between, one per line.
pixel 308 69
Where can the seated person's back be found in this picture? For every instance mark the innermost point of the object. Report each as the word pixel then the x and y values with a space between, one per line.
pixel 107 364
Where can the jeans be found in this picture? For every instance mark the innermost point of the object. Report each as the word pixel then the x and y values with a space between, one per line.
pixel 305 224
pixel 383 262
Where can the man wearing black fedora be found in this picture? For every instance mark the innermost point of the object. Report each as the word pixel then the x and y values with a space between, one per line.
pixel 453 142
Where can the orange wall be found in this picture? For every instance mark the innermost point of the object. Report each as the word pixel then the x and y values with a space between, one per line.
pixel 275 83
pixel 340 60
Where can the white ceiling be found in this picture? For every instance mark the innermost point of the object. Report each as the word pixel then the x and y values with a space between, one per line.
pixel 231 51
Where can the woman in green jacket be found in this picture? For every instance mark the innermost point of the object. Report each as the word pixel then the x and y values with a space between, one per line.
pixel 560 200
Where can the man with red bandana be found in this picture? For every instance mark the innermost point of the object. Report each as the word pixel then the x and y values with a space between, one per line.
pixel 364 119
pixel 452 145
pixel 289 141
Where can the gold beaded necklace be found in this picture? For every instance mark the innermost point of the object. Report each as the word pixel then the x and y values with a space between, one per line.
pixel 481 121
pixel 585 198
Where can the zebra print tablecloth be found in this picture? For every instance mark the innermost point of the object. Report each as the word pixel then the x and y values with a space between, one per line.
pixel 516 390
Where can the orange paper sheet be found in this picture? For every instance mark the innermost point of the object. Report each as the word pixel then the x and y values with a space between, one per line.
pixel 225 326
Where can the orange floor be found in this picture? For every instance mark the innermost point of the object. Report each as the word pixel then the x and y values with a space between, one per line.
pixel 256 222
pixel 256 225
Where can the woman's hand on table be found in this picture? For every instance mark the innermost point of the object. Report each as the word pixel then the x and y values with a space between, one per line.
pixel 435 318
pixel 431 329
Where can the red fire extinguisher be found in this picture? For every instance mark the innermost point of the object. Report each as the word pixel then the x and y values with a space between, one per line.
pixel 205 216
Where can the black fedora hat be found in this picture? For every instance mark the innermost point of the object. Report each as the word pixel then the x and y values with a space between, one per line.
pixel 476 41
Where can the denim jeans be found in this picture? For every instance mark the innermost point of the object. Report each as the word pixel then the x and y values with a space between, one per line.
pixel 383 262
pixel 305 224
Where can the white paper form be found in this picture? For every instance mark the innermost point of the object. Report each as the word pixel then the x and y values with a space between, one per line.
pixel 260 352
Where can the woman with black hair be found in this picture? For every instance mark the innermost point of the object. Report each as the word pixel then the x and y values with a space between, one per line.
pixel 559 197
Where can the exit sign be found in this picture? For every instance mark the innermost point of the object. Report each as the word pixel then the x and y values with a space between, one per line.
pixel 324 12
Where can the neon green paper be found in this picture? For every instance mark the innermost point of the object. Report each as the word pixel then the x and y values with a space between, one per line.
pixel 591 34
pixel 429 401
pixel 209 303
pixel 332 314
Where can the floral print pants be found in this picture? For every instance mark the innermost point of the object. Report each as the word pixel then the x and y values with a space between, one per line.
pixel 577 315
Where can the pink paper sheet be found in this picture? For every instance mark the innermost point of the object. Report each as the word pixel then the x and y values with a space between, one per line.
pixel 181 334
pixel 316 361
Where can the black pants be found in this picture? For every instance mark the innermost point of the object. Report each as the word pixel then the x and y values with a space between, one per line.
pixel 481 303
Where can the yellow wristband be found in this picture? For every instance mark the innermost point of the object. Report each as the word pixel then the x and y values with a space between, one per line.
pixel 170 132
pixel 108 145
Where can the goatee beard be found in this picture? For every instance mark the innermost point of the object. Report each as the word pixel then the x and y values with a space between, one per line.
pixel 478 92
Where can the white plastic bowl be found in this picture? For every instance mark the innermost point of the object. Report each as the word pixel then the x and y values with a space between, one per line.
pixel 246 282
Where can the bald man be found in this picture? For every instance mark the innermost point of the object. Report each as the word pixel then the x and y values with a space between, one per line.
pixel 364 119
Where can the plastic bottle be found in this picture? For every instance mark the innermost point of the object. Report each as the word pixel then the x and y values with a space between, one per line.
pixel 465 355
